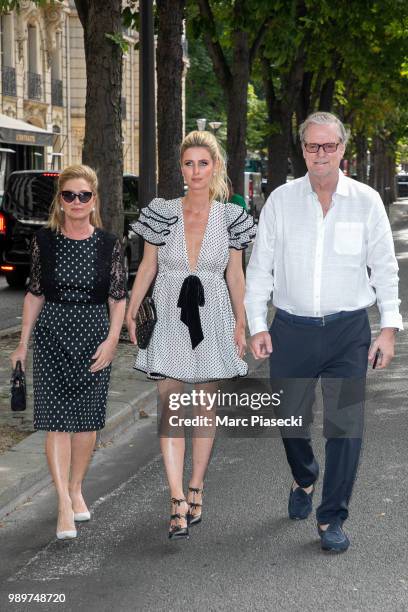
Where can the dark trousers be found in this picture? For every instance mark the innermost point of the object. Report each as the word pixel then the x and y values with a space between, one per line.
pixel 305 350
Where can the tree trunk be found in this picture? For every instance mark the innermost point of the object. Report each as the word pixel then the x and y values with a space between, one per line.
pixel 326 95
pixel 361 157
pixel 296 157
pixel 390 163
pixel 392 179
pixel 377 167
pixel 302 110
pixel 234 81
pixel 103 122
pixel 280 111
pixel 278 153
pixel 237 112
pixel 170 68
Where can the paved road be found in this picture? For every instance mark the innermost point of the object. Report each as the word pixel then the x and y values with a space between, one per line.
pixel 246 554
pixel 11 302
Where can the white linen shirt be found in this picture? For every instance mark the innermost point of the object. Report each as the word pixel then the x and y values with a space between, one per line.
pixel 317 265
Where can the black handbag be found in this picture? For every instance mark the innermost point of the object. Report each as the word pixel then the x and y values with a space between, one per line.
pixel 18 389
pixel 146 319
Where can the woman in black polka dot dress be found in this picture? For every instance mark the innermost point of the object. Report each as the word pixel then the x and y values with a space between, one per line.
pixel 76 270
pixel 193 251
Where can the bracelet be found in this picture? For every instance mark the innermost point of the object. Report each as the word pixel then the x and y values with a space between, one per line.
pixel 25 344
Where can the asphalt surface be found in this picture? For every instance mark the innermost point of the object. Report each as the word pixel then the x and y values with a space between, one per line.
pixel 11 302
pixel 246 554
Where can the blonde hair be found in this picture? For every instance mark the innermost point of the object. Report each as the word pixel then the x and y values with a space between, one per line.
pixel 219 182
pixel 77 171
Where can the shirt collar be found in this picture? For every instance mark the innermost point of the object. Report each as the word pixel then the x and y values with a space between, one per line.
pixel 342 188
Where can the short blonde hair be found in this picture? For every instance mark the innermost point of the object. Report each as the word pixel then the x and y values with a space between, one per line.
pixel 77 171
pixel 219 182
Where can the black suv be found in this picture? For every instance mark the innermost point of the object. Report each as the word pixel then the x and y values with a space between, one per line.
pixel 25 207
pixel 402 184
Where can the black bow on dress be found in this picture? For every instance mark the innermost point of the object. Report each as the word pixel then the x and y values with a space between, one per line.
pixel 190 298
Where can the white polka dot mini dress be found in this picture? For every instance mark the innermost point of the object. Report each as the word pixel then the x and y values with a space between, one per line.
pixel 193 339
pixel 76 277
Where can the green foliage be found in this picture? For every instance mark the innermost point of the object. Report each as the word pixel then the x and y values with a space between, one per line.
pixel 118 39
pixel 204 96
pixel 257 122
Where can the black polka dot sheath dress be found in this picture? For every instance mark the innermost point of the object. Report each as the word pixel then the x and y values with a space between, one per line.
pixel 77 277
pixel 193 339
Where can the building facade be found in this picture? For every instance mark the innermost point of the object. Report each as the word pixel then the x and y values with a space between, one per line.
pixel 43 89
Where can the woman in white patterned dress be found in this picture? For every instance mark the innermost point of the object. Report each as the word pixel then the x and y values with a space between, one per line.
pixel 193 244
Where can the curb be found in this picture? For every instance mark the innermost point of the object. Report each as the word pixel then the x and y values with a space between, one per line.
pixel 10 331
pixel 27 458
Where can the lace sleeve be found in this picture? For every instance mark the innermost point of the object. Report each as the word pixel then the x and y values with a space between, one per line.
pixel 35 285
pixel 117 286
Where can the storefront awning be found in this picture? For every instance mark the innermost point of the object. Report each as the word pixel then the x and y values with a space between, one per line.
pixel 15 131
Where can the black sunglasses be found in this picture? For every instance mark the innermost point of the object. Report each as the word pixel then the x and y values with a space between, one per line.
pixel 83 196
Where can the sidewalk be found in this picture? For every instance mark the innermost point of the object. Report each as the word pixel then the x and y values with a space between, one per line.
pixel 23 469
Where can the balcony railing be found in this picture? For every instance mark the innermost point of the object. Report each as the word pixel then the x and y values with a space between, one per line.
pixel 123 107
pixel 34 86
pixel 8 79
pixel 56 92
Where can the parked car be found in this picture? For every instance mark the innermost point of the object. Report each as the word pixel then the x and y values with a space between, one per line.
pixel 402 185
pixel 25 208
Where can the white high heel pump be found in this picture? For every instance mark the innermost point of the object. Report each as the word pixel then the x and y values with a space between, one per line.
pixel 81 517
pixel 67 535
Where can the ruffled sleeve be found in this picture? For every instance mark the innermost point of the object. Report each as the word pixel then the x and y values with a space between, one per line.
pixel 35 285
pixel 155 222
pixel 241 227
pixel 117 284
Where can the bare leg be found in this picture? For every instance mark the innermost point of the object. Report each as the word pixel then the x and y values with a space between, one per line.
pixel 172 444
pixel 203 440
pixel 82 446
pixel 58 451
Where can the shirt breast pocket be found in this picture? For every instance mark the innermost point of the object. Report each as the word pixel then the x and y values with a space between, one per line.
pixel 348 238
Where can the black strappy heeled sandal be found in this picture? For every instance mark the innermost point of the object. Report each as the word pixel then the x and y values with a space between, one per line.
pixel 194 519
pixel 176 532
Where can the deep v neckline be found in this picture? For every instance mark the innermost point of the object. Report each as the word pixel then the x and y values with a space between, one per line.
pixel 190 270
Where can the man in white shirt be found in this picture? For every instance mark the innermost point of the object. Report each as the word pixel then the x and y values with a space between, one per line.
pixel 317 236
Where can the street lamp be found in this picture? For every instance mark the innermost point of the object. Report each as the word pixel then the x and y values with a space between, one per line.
pixel 201 124
pixel 215 126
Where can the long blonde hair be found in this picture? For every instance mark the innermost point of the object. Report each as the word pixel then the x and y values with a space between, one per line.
pixel 218 184
pixel 77 171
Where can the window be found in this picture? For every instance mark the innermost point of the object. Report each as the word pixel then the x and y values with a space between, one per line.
pixel 8 71
pixel 34 85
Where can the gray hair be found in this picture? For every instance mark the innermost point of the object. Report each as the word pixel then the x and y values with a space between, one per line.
pixel 322 118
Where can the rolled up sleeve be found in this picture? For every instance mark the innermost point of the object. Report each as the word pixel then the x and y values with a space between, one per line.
pixel 259 274
pixel 384 266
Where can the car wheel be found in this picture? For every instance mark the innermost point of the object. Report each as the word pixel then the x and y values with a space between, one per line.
pixel 16 279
